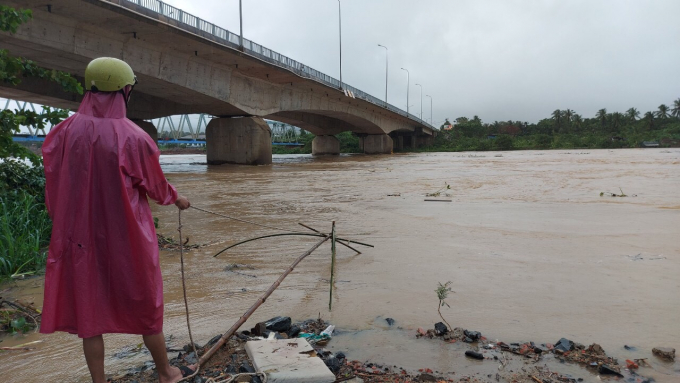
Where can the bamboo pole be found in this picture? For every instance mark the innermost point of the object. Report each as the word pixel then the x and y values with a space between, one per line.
pixel 321 235
pixel 330 298
pixel 267 236
pixel 257 304
pixel 340 242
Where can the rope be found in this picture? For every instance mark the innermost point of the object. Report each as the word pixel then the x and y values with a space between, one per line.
pixel 184 290
pixel 233 378
pixel 241 220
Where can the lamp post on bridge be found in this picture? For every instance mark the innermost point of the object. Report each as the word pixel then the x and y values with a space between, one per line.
pixel 340 34
pixel 408 81
pixel 240 15
pixel 431 120
pixel 421 100
pixel 386 69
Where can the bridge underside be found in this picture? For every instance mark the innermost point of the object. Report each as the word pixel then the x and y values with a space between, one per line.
pixel 182 73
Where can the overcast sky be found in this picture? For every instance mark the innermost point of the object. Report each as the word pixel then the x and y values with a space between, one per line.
pixel 499 59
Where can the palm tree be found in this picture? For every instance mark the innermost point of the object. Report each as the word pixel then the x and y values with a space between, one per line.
pixel 557 116
pixel 578 121
pixel 568 114
pixel 663 111
pixel 632 114
pixel 616 120
pixel 676 108
pixel 602 116
pixel 649 120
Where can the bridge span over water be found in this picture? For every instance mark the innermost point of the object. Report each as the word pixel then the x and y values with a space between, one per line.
pixel 186 65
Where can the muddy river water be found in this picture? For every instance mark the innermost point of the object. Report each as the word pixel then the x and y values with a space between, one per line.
pixel 532 249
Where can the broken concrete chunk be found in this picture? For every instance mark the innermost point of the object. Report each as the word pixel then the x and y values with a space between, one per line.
pixel 564 344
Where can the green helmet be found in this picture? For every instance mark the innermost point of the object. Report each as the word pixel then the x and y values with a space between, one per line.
pixel 107 74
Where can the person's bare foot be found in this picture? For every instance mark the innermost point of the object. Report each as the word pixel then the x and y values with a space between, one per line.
pixel 173 374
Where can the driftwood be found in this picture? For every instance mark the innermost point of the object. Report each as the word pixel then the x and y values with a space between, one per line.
pixel 257 304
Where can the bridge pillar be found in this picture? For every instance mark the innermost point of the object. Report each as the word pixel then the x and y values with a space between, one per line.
pixel 398 142
pixel 376 144
pixel 148 128
pixel 322 145
pixel 244 141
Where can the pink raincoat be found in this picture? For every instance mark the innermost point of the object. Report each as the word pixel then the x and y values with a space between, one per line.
pixel 103 274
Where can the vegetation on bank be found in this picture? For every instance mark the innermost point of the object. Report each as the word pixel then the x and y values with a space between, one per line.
pixel 565 129
pixel 25 226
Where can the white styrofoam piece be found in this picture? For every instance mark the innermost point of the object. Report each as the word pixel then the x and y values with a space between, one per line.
pixel 288 361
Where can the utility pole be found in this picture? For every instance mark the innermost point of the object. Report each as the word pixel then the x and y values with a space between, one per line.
pixel 386 69
pixel 421 101
pixel 408 81
pixel 431 120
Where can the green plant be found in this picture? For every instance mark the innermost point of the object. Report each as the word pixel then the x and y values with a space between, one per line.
pixel 442 293
pixel 25 229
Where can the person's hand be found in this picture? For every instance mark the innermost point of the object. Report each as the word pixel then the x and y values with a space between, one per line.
pixel 182 203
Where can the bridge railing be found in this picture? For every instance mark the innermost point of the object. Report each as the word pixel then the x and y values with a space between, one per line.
pixel 192 24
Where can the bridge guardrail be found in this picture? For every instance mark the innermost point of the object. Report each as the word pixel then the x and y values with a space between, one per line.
pixel 232 40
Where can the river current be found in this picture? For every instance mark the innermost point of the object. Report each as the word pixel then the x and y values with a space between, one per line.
pixel 532 249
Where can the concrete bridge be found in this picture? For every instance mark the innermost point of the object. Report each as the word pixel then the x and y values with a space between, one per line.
pixel 186 65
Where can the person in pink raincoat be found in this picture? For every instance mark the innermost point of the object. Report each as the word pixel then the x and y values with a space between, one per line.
pixel 103 273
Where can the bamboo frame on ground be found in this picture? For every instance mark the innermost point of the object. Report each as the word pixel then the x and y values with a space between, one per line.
pixel 257 304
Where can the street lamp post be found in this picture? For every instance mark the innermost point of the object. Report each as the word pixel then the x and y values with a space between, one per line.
pixel 240 15
pixel 431 120
pixel 386 69
pixel 408 80
pixel 421 100
pixel 340 29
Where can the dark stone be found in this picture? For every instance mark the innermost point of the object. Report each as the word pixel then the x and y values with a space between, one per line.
pixel 474 335
pixel 630 348
pixel 564 344
pixel 259 329
pixel 279 324
pixel 333 364
pixel 293 332
pixel 440 328
pixel 214 340
pixel 231 369
pixel 246 368
pixel 340 356
pixel 389 321
pixel 606 370
pixel 474 355
pixel 467 340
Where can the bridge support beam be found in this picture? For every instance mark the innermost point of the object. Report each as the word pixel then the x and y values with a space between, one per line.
pixel 244 141
pixel 148 128
pixel 376 144
pixel 322 145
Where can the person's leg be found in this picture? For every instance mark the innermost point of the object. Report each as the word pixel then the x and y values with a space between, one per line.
pixel 156 345
pixel 94 356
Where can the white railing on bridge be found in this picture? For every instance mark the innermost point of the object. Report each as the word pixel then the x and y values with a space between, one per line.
pixel 188 22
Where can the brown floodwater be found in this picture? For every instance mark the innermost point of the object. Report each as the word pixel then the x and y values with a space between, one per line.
pixel 531 248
